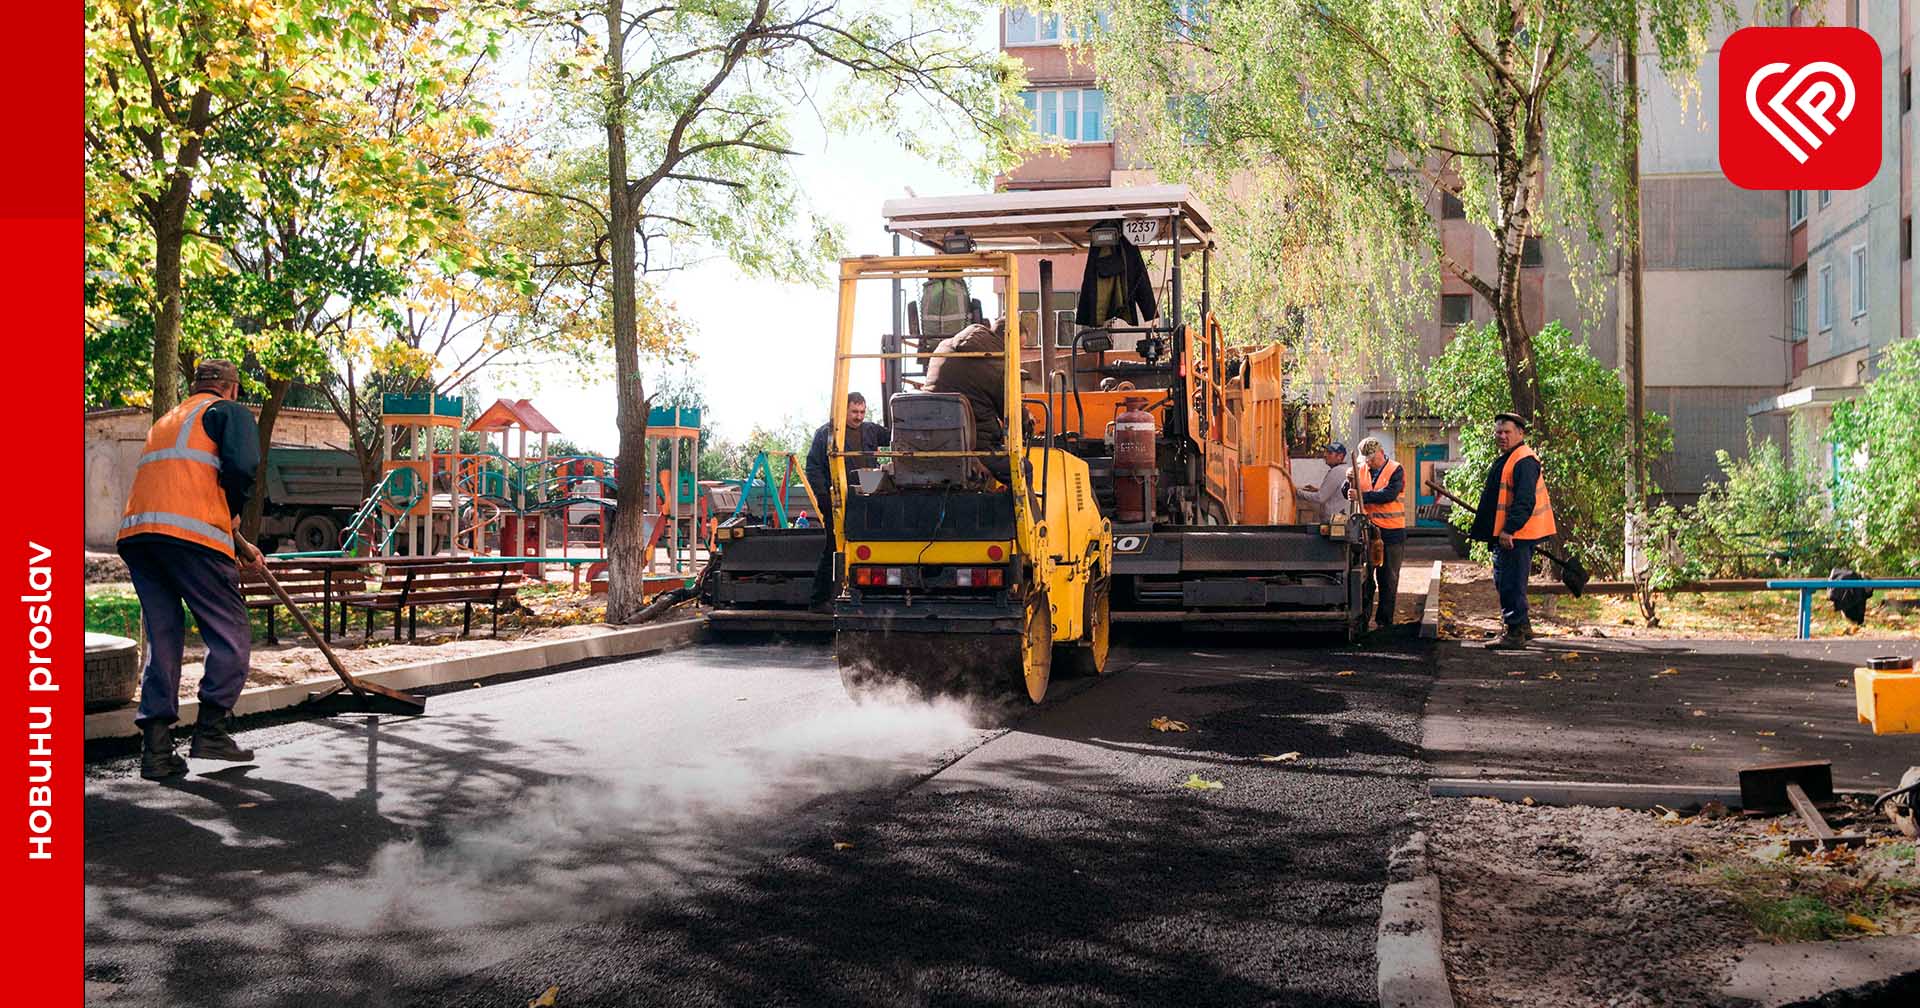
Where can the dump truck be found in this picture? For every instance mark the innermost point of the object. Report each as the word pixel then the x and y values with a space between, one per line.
pixel 1183 439
pixel 311 495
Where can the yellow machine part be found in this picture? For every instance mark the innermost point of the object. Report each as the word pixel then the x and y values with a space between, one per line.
pixel 1887 700
pixel 1074 540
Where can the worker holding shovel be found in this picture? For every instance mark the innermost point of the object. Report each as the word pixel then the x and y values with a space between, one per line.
pixel 1515 513
pixel 180 539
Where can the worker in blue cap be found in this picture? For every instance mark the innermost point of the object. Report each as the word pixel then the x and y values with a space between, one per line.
pixel 1330 496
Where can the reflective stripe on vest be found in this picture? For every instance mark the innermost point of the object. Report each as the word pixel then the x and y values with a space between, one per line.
pixel 176 488
pixel 1392 514
pixel 1539 524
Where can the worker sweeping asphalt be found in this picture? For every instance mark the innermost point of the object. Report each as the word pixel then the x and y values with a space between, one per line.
pixel 1515 514
pixel 180 539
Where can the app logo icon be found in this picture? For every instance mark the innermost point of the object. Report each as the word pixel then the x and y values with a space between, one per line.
pixel 1800 108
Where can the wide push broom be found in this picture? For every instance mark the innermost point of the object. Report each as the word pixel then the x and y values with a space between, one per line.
pixel 353 695
pixel 1573 574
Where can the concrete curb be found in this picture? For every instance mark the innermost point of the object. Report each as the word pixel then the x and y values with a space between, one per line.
pixel 1862 971
pixel 626 642
pixel 1412 971
pixel 1430 606
pixel 1594 793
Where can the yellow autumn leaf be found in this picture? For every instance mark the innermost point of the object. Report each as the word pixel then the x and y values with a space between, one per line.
pixel 1285 757
pixel 1570 656
pixel 1166 724
pixel 1668 671
pixel 547 1000
pixel 1859 923
pixel 1199 783
pixel 1344 672
pixel 842 845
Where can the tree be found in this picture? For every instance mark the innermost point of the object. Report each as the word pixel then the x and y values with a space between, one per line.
pixel 694 98
pixel 1341 119
pixel 1583 453
pixel 162 75
pixel 1876 442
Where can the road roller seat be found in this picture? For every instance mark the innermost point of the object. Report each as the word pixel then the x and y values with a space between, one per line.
pixel 931 421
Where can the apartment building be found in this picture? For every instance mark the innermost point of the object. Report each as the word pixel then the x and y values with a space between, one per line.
pixel 1758 305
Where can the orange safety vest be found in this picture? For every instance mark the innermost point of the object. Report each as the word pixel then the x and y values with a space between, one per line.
pixel 1539 524
pixel 1392 514
pixel 176 489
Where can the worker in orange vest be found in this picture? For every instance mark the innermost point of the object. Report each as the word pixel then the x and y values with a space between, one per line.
pixel 1380 489
pixel 180 538
pixel 1515 513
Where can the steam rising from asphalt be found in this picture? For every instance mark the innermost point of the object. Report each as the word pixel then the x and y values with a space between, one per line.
pixel 562 852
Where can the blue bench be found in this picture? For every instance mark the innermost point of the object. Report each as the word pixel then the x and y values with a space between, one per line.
pixel 1806 588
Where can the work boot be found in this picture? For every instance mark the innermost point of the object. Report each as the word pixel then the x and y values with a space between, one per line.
pixel 1526 629
pixel 210 738
pixel 158 761
pixel 1514 638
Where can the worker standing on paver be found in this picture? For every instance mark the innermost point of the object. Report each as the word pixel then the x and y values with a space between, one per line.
pixel 1514 514
pixel 860 436
pixel 1330 497
pixel 1382 484
pixel 181 542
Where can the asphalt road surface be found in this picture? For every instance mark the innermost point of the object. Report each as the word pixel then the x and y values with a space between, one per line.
pixel 721 826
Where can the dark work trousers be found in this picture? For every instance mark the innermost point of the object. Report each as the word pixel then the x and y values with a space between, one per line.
pixel 1385 580
pixel 1510 570
pixel 166 574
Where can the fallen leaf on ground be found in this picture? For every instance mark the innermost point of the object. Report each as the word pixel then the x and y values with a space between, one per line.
pixel 842 845
pixel 1697 712
pixel 1527 800
pixel 1344 672
pixel 1668 671
pixel 547 1000
pixel 1858 922
pixel 247 804
pixel 1551 675
pixel 1570 656
pixel 1167 724
pixel 1285 757
pixel 1764 734
pixel 1199 783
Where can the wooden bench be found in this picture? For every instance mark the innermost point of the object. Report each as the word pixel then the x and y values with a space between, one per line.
pixel 307 584
pixel 414 585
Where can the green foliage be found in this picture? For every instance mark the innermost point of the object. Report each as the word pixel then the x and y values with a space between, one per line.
pixel 1876 438
pixel 1767 516
pixel 1584 455
pixel 1323 131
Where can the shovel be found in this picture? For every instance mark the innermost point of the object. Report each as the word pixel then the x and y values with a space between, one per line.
pixel 352 696
pixel 1572 573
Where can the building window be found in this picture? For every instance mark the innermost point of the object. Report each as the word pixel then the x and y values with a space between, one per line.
pixel 1826 297
pixel 1858 264
pixel 1826 197
pixel 1450 207
pixel 1189 115
pixel 1077 115
pixel 1797 318
pixel 1456 309
pixel 1530 251
pixel 1796 207
pixel 1025 27
pixel 1185 16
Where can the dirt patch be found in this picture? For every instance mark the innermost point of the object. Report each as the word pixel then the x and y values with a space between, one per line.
pixel 1560 906
pixel 1470 610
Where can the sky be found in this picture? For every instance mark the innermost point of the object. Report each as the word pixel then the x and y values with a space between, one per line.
pixel 763 350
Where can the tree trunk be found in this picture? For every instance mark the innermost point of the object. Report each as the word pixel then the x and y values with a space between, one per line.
pixel 277 389
pixel 169 230
pixel 626 541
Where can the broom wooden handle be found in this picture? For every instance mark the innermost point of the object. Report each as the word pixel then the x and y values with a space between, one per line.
pixel 306 624
pixel 1468 508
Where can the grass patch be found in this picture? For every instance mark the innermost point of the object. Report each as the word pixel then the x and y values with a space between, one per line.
pixel 1824 897
pixel 113 611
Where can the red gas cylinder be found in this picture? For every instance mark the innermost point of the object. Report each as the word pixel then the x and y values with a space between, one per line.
pixel 1135 468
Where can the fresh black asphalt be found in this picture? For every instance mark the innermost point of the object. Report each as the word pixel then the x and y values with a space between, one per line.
pixel 720 826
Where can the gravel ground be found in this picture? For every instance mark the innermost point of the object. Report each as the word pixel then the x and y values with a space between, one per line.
pixel 1580 906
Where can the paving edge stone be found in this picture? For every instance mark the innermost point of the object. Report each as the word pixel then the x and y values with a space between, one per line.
pixel 1430 607
pixel 1412 971
pixel 624 642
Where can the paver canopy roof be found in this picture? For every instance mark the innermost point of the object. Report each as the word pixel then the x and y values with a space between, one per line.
pixel 1050 220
